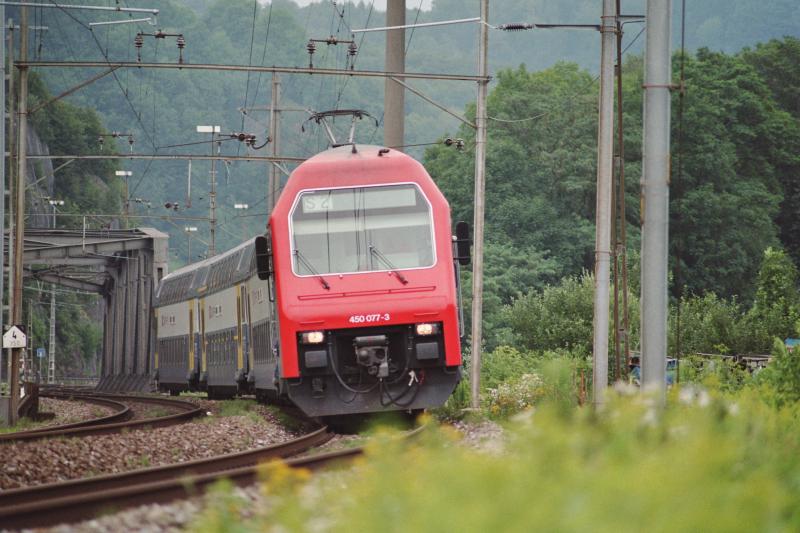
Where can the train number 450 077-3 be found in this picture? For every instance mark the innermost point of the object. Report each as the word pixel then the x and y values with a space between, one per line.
pixel 369 319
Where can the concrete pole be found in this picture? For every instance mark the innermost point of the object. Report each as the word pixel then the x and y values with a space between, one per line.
pixel 393 95
pixel 621 253
pixel 605 169
pixel 274 117
pixel 19 233
pixel 480 188
pixel 655 190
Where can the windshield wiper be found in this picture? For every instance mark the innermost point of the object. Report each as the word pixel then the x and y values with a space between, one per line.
pixel 311 269
pixel 374 251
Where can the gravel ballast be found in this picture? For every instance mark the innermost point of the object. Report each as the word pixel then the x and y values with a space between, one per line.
pixel 67 459
pixel 52 460
pixel 179 516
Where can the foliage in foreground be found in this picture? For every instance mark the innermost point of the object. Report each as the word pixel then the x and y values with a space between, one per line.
pixel 703 464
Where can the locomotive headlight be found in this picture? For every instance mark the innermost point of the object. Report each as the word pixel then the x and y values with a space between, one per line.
pixel 313 337
pixel 427 329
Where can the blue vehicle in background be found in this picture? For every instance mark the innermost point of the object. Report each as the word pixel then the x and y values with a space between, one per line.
pixel 635 371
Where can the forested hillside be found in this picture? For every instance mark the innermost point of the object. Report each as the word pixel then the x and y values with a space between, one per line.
pixel 736 194
pixel 85 186
pixel 733 198
pixel 162 107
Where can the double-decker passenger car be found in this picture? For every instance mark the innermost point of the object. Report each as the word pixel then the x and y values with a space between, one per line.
pixel 348 304
pixel 206 327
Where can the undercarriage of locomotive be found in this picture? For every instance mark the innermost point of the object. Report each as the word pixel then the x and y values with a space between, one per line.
pixel 372 369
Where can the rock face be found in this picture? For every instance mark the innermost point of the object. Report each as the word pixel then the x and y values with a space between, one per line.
pixel 40 180
pixel 39 191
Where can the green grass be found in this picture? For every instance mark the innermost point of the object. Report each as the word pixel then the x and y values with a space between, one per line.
pixel 23 424
pixel 157 411
pixel 704 463
pixel 239 407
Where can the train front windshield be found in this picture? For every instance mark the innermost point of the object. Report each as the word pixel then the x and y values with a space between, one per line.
pixel 361 229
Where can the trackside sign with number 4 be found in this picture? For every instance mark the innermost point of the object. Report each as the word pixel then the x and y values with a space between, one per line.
pixel 15 338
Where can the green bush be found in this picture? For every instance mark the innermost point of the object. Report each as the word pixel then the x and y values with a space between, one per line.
pixel 716 373
pixel 557 317
pixel 453 409
pixel 513 381
pixel 514 395
pixel 708 324
pixel 783 374
pixel 706 463
pixel 504 363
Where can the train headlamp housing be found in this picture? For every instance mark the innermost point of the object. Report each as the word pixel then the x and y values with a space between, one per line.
pixel 312 337
pixel 426 329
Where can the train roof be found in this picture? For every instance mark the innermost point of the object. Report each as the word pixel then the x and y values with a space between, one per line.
pixel 208 275
pixel 353 166
pixel 351 152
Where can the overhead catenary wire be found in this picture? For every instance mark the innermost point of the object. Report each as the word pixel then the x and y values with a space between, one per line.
pixel 414 27
pixel 581 92
pixel 263 55
pixel 136 114
pixel 249 63
pixel 353 61
pixel 119 83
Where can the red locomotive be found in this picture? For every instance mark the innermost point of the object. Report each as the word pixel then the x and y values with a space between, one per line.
pixel 350 302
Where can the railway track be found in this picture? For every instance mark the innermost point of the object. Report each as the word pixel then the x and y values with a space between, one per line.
pixel 113 423
pixel 73 501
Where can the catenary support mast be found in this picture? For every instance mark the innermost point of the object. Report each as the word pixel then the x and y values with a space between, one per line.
pixel 655 190
pixel 394 96
pixel 19 234
pixel 274 130
pixel 480 188
pixel 605 168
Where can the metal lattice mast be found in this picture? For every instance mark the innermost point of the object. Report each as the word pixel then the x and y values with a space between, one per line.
pixel 51 355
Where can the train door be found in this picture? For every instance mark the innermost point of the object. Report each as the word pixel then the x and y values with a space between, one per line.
pixel 274 327
pixel 203 346
pixel 196 340
pixel 155 349
pixel 192 367
pixel 247 333
pixel 241 372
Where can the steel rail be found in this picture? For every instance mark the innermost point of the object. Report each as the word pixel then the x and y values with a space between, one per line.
pixel 72 508
pixel 123 412
pixel 103 483
pixel 188 412
pixel 252 68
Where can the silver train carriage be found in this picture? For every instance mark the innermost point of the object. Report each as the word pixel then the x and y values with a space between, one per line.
pixel 216 328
